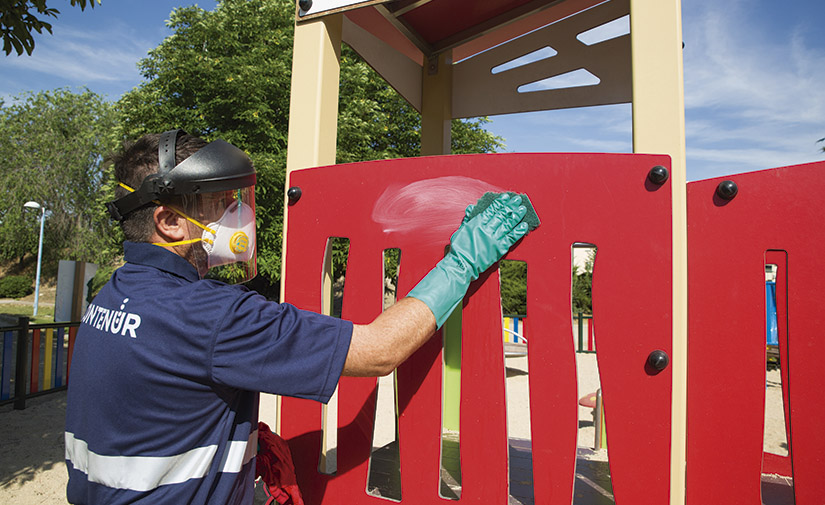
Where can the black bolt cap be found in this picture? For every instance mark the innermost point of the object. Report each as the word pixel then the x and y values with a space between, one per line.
pixel 727 190
pixel 658 360
pixel 294 194
pixel 305 5
pixel 658 175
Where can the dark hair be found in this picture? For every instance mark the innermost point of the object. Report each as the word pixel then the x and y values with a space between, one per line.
pixel 137 160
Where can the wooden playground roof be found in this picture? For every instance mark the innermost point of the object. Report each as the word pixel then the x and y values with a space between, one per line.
pixel 423 28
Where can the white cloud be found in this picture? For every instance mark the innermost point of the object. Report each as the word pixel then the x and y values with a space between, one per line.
pixel 753 95
pixel 85 56
pixel 731 66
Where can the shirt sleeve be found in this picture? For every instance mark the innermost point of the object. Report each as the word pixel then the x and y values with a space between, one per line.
pixel 277 348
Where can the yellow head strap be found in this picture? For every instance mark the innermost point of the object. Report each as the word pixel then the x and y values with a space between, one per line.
pixel 183 215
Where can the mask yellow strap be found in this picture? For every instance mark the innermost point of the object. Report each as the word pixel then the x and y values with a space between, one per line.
pixel 181 242
pixel 181 214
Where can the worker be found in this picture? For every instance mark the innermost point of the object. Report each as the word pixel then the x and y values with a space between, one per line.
pixel 167 366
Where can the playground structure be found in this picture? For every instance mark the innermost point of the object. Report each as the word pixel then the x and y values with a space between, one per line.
pixel 671 368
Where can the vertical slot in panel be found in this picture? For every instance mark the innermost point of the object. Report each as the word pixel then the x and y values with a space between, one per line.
pixel 384 479
pixel 333 279
pixel 777 486
pixel 775 441
pixel 584 255
pixel 450 461
pixel 450 465
pixel 593 482
pixel 517 389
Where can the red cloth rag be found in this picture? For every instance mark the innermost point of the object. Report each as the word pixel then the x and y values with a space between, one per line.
pixel 274 464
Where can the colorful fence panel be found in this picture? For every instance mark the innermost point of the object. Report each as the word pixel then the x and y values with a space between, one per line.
pixel 7 363
pixel 41 366
pixel 514 330
pixel 414 205
pixel 773 216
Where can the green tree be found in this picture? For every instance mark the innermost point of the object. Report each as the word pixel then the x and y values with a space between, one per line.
pixel 513 287
pixel 226 74
pixel 582 286
pixel 18 18
pixel 53 146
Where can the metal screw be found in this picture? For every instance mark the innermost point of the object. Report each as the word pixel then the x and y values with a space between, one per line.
pixel 658 359
pixel 658 175
pixel 294 194
pixel 305 5
pixel 727 190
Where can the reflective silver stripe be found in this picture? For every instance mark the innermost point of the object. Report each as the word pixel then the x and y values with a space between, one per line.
pixel 240 453
pixel 144 473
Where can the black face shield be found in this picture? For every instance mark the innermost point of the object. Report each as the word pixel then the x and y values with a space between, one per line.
pixel 218 166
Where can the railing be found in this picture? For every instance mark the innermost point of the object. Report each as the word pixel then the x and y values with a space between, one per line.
pixel 515 332
pixel 35 360
pixel 584 326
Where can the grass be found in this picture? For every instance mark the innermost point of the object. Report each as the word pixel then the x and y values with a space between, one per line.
pixel 45 314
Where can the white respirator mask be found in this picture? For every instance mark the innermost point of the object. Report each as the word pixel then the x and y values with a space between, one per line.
pixel 231 239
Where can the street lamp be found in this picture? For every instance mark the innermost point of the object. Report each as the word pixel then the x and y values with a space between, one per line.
pixel 35 205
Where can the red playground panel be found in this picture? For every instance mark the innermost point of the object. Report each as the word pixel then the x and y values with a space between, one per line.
pixel 775 217
pixel 415 205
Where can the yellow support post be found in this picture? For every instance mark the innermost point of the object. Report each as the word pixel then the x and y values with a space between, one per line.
pixel 659 127
pixel 313 122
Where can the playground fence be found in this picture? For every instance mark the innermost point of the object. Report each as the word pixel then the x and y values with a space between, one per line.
pixel 515 331
pixel 35 359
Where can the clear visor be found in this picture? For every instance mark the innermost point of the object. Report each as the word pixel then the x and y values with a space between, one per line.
pixel 225 221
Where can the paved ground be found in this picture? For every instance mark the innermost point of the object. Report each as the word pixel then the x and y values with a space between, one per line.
pixel 32 469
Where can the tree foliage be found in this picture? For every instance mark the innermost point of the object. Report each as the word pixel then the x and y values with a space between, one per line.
pixel 18 18
pixel 53 146
pixel 226 74
pixel 581 294
pixel 514 287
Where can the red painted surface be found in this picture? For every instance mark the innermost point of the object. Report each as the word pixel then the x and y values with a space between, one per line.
pixel 35 364
pixel 72 337
pixel 414 205
pixel 728 243
pixel 440 19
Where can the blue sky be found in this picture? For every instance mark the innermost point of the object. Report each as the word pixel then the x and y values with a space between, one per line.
pixel 754 80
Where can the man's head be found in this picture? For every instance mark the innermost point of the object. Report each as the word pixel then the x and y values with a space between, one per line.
pixel 193 197
pixel 137 161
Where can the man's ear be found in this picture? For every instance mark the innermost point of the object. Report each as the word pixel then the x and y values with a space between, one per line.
pixel 169 225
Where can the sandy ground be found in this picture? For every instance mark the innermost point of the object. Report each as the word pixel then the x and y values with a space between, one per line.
pixel 32 469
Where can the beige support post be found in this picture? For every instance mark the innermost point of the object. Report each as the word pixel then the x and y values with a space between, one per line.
pixel 436 105
pixel 436 117
pixel 659 127
pixel 313 123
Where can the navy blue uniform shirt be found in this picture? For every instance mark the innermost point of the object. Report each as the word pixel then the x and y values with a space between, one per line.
pixel 163 397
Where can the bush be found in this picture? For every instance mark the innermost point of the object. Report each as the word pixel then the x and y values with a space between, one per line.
pixel 101 277
pixel 15 286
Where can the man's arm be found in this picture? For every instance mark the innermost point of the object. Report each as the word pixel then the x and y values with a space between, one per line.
pixel 379 347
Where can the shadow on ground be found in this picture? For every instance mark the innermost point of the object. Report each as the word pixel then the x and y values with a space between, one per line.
pixel 32 440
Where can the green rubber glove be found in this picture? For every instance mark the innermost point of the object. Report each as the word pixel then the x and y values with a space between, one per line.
pixel 476 245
